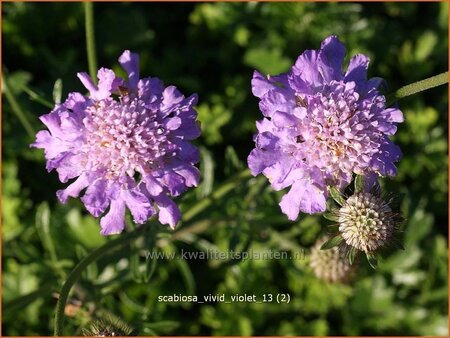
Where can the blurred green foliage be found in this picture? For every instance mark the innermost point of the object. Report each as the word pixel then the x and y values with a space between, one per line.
pixel 212 49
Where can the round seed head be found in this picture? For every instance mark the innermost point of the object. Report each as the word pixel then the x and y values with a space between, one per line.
pixel 330 265
pixel 366 222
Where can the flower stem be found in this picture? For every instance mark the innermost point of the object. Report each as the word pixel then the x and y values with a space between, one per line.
pixel 76 273
pixel 16 108
pixel 220 191
pixel 418 87
pixel 127 237
pixel 90 39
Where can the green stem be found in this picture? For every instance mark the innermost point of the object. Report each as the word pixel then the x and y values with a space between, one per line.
pixel 90 39
pixel 16 108
pixel 217 194
pixel 76 273
pixel 37 98
pixel 125 238
pixel 418 87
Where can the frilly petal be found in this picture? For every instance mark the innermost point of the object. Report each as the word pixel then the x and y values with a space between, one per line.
pixel 150 89
pixel 258 160
pixel 88 83
pixel 189 173
pixel 357 68
pixel 260 84
pixel 152 185
pixel 107 83
pixel 114 221
pixel 307 70
pixel 130 62
pixel 394 115
pixel 139 205
pixel 332 53
pixel 97 197
pixel 168 211
pixel 171 97
pixel 305 197
pixel 383 161
pixel 74 189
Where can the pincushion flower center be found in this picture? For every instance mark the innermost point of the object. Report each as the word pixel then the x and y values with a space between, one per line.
pixel 331 114
pixel 123 136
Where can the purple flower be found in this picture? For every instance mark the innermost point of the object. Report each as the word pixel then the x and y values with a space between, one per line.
pixel 320 126
pixel 127 145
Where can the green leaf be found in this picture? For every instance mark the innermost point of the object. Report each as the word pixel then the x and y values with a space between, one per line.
pixel 57 91
pixel 150 269
pixel 188 277
pixel 207 173
pixel 372 259
pixel 268 60
pixel 91 272
pixel 135 268
pixel 332 242
pixel 17 81
pixel 351 255
pixel 335 193
pixel 165 326
pixel 359 183
pixel 331 216
pixel 43 228
pixel 334 229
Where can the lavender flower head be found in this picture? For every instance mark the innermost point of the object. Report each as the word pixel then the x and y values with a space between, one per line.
pixel 127 144
pixel 320 126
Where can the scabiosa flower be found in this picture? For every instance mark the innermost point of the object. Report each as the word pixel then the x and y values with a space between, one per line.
pixel 127 144
pixel 320 126
pixel 330 265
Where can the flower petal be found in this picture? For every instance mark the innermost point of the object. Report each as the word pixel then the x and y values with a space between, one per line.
pixel 88 83
pixel 306 68
pixel 97 197
pixel 130 62
pixel 74 189
pixel 190 174
pixel 357 68
pixel 260 84
pixel 168 211
pixel 394 115
pixel 303 196
pixel 332 53
pixel 152 185
pixel 139 205
pixel 114 221
pixel 107 83
pixel 171 97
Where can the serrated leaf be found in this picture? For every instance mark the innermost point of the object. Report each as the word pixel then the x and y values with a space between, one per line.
pixel 330 216
pixel 57 91
pixel 372 259
pixel 359 183
pixel 331 243
pixel 335 193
